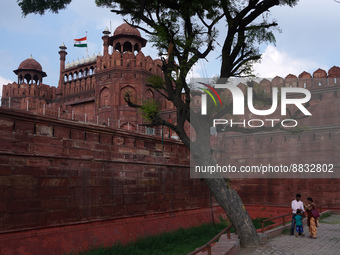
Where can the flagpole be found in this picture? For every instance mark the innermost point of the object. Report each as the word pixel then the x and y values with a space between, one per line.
pixel 87 51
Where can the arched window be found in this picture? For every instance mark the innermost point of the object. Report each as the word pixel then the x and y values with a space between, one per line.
pixel 28 78
pixel 136 48
pixel 127 47
pixel 149 94
pixel 20 79
pixel 91 70
pixel 118 47
pixel 105 97
pixel 36 79
pixel 127 89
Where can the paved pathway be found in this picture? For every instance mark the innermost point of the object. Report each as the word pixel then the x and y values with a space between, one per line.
pixel 327 243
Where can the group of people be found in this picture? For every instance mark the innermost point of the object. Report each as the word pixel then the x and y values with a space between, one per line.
pixel 299 209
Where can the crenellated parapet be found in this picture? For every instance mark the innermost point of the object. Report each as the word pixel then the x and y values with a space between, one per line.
pixel 129 61
pixel 15 90
pixel 319 79
pixel 27 96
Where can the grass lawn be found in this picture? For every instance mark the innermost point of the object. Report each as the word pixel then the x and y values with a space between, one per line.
pixel 181 241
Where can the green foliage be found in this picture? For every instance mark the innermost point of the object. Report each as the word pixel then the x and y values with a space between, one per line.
pixel 298 130
pixel 328 218
pixel 150 110
pixel 155 82
pixel 40 6
pixel 258 222
pixel 325 215
pixel 181 241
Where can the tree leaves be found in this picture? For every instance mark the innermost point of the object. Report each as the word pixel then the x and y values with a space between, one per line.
pixel 40 6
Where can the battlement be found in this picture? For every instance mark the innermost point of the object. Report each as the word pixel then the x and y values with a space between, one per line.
pixel 42 91
pixel 319 79
pixel 128 60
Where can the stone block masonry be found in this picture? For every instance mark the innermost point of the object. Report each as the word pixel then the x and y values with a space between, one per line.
pixel 57 172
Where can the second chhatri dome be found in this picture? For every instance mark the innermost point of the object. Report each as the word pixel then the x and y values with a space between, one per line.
pixel 126 29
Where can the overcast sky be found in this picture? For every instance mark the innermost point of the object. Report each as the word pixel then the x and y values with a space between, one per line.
pixel 309 40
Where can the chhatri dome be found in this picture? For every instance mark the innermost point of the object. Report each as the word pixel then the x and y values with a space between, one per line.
pixel 30 64
pixel 126 29
pixel 30 71
pixel 126 39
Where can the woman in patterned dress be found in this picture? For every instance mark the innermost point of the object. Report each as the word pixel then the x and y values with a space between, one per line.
pixel 311 221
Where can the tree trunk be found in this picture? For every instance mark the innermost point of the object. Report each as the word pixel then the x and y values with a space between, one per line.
pixel 227 198
pixel 232 204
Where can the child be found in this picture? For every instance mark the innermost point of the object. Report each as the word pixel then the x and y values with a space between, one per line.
pixel 299 226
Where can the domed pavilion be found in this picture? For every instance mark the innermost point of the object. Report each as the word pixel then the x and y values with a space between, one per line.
pixel 127 38
pixel 30 71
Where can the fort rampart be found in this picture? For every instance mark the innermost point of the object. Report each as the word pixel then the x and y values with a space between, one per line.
pixel 58 172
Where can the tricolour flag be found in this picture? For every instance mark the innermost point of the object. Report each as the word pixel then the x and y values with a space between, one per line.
pixel 80 42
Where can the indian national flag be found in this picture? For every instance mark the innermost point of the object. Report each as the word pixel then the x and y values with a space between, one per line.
pixel 80 42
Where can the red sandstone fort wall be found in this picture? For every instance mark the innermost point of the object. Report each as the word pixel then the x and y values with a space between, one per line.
pixel 58 172
pixel 55 172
